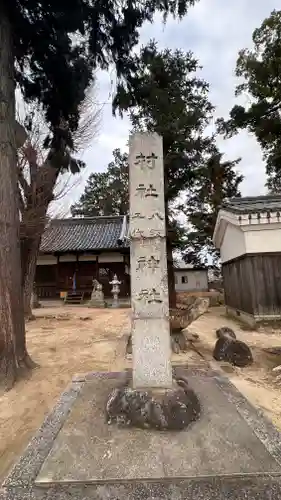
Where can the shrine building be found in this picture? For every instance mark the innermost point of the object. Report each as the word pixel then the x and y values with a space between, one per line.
pixel 75 251
pixel 248 235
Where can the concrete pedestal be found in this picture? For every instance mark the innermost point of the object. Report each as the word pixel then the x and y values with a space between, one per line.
pixel 231 453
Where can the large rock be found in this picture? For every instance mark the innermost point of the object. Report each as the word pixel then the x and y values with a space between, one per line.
pixel 171 409
pixel 180 319
pixel 229 349
pixel 184 315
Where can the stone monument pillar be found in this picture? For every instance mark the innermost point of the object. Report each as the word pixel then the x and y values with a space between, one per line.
pixel 149 278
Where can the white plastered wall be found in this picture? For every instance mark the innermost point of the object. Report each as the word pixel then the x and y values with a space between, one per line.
pixel 233 243
pixel 243 240
pixel 196 280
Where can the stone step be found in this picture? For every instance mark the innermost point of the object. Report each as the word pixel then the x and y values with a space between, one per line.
pixel 74 298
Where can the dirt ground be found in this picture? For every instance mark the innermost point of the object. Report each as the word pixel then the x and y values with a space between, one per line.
pixel 256 382
pixel 63 347
pixel 70 340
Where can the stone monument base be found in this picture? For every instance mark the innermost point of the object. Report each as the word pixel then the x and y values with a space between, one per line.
pixel 231 452
pixel 163 409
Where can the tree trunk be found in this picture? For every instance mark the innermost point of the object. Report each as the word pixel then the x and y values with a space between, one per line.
pixel 12 334
pixel 171 274
pixel 9 219
pixel 8 367
pixel 170 262
pixel 33 224
pixel 169 246
pixel 29 255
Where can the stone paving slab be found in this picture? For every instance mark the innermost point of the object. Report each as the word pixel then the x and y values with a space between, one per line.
pixel 232 452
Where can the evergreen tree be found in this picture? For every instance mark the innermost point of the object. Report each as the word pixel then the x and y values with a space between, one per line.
pixel 50 49
pixel 57 45
pixel 106 193
pixel 216 182
pixel 261 68
pixel 164 95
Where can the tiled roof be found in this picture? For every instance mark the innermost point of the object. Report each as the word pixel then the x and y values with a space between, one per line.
pixel 182 265
pixel 95 233
pixel 254 204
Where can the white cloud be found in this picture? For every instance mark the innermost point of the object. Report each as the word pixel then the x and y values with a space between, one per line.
pixel 215 30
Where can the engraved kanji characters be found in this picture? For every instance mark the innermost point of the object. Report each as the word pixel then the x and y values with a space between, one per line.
pixel 150 263
pixel 137 215
pixel 145 234
pixel 150 295
pixel 146 161
pixel 141 262
pixel 147 192
pixel 156 215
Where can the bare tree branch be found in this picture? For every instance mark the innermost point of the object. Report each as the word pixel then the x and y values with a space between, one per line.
pixel 90 121
pixel 39 180
pixel 23 183
pixel 21 201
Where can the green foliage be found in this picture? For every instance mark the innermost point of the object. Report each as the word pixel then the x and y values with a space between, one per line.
pixel 164 95
pixel 106 193
pixel 58 44
pixel 261 68
pixel 216 182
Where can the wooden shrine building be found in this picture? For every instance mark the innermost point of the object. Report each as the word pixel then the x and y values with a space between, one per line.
pixel 248 234
pixel 75 251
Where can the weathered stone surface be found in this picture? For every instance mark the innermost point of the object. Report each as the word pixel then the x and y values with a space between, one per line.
pixel 233 451
pixel 179 342
pixel 149 279
pixel 170 409
pixel 151 352
pixel 97 296
pixel 115 291
pixel 221 442
pixel 148 273
pixel 25 471
pixel 228 348
pixel 225 331
pixel 147 214
pixel 184 315
pixel 277 370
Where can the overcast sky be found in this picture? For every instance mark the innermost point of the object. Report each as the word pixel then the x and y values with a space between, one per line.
pixel 215 30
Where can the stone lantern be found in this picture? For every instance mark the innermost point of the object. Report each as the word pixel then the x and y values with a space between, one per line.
pixel 115 290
